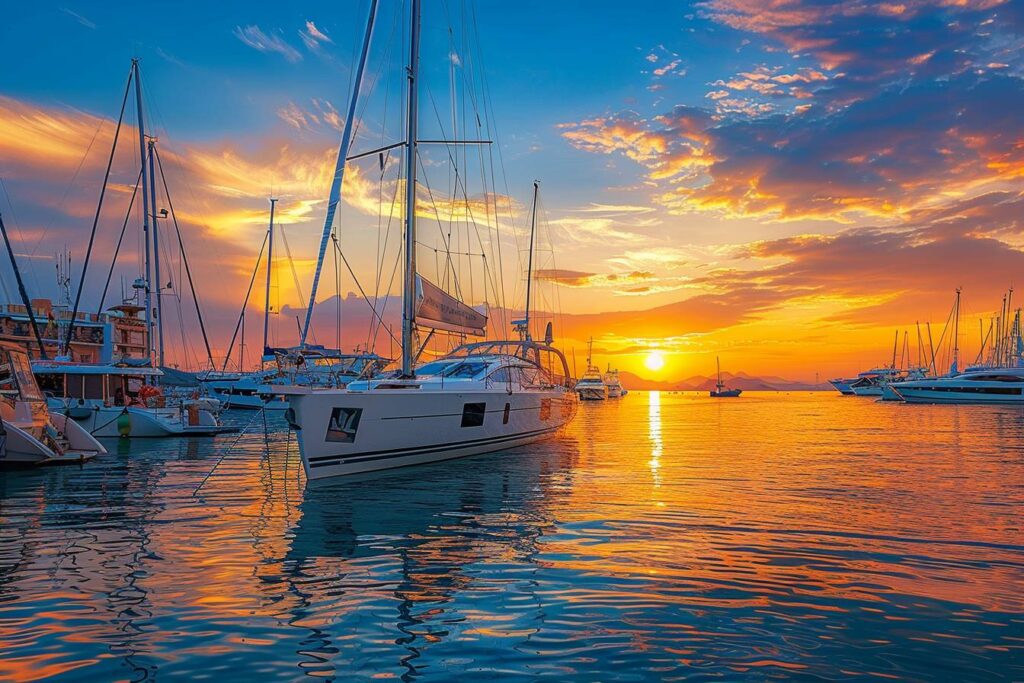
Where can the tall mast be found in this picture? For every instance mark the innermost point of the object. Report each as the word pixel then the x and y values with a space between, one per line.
pixel 955 367
pixel 409 279
pixel 339 171
pixel 529 260
pixel 24 294
pixel 718 364
pixel 145 210
pixel 156 255
pixel 270 265
pixel 894 342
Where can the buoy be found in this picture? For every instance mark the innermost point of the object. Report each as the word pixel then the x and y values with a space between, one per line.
pixel 124 423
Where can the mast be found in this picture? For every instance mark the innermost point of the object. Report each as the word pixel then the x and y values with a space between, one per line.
pixel 409 280
pixel 24 294
pixel 339 168
pixel 954 367
pixel 718 364
pixel 894 342
pixel 145 210
pixel 529 260
pixel 270 265
pixel 156 256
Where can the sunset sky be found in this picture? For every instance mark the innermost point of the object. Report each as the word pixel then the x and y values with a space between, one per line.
pixel 784 184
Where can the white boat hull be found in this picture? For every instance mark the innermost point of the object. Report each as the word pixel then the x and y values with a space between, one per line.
pixel 592 393
pixel 873 390
pixel 399 428
pixel 136 422
pixel 970 395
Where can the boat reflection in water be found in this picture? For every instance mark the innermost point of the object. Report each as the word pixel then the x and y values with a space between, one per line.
pixel 411 556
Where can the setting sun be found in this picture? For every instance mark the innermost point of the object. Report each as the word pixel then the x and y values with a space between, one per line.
pixel 655 361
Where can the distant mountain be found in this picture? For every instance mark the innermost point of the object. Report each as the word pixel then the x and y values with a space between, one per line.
pixel 740 380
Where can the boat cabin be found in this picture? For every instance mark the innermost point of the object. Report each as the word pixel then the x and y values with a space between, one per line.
pixel 105 384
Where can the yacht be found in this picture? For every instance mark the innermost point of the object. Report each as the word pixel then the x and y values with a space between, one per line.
pixel 480 397
pixel 986 385
pixel 720 391
pixel 244 391
pixel 611 380
pixel 872 382
pixel 31 435
pixel 591 386
pixel 122 400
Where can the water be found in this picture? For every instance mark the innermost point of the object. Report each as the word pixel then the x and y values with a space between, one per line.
pixel 663 537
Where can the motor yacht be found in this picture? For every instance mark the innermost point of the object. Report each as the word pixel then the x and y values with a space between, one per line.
pixel 986 385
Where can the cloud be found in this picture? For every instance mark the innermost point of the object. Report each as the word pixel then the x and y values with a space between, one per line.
pixel 905 148
pixel 254 37
pixel 79 18
pixel 312 37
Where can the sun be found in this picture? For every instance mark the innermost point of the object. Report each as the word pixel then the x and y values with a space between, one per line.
pixel 654 361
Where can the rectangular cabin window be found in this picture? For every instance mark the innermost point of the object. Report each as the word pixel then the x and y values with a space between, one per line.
pixel 473 414
pixel 94 386
pixel 343 425
pixel 508 409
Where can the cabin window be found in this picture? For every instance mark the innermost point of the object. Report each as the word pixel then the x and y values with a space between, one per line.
pixel 508 409
pixel 343 425
pixel 93 386
pixel 473 414
pixel 500 376
pixel 465 370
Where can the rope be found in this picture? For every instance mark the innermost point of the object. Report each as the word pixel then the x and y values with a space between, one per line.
pixel 226 452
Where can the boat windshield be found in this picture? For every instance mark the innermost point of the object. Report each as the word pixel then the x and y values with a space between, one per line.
pixel 466 370
pixel 21 369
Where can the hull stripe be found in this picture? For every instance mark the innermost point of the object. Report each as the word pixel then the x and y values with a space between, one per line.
pixel 324 460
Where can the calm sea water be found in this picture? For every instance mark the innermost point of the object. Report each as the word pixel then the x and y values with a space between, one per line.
pixel 663 537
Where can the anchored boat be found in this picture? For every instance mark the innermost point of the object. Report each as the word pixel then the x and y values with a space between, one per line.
pixel 121 400
pixel 30 434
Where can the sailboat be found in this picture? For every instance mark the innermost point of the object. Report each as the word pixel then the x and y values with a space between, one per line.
pixel 591 386
pixel 720 391
pixel 481 397
pixel 123 398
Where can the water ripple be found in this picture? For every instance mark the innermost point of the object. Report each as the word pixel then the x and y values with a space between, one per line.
pixel 663 537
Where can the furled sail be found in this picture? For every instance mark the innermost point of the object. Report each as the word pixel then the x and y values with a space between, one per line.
pixel 440 311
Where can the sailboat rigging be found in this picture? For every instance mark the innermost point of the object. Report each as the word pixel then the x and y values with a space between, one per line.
pixel 480 397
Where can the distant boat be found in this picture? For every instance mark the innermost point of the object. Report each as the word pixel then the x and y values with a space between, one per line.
pixel 720 391
pixel 614 385
pixel 591 386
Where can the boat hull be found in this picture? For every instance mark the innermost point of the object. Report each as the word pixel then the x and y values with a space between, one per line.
pixel 842 386
pixel 726 393
pixel 400 428
pixel 963 395
pixel 117 421
pixel 592 393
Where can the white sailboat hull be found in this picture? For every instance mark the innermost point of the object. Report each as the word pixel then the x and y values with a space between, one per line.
pixel 403 427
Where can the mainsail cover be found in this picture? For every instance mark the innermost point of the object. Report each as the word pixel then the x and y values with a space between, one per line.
pixel 440 311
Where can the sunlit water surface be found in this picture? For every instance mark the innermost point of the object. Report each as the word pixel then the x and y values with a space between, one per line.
pixel 662 537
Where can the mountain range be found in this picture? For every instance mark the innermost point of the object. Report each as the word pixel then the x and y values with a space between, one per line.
pixel 740 380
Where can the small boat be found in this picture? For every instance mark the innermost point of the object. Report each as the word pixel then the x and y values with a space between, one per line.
pixel 121 400
pixel 29 433
pixel 611 380
pixel 591 386
pixel 720 391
